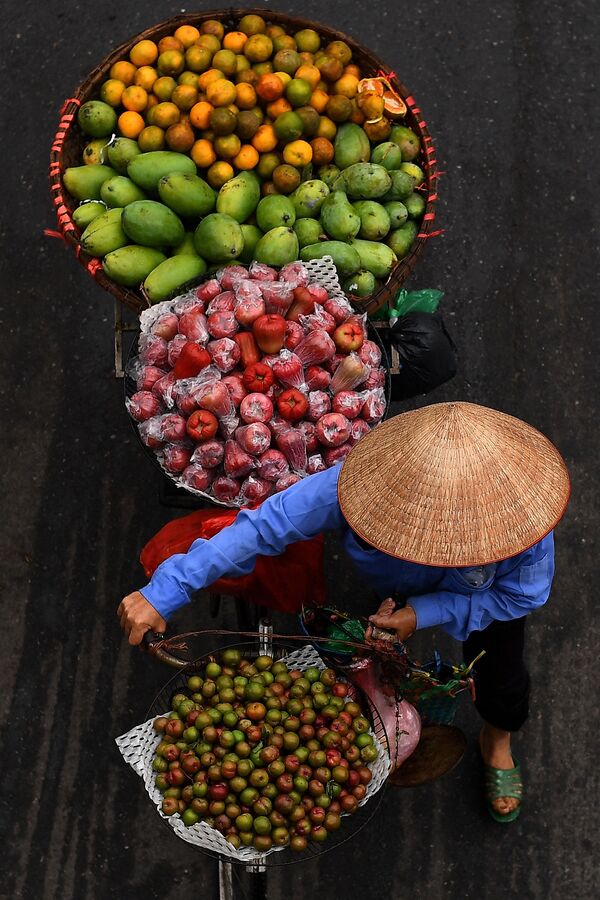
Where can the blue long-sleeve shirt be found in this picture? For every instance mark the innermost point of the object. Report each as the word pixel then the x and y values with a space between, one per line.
pixel 460 600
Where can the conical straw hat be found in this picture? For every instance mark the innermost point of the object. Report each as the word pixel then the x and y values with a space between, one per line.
pixel 453 484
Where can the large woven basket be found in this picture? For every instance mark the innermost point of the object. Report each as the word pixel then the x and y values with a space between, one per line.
pixel 69 142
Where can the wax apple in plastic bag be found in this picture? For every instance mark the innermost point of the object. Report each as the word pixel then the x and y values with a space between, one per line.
pixel 209 455
pixel 175 347
pixel 333 429
pixel 315 348
pixel 288 370
pixel 256 408
pixel 272 465
pixel 292 444
pixel 224 353
pixel 223 302
pixel 294 335
pixel 376 379
pixel 277 297
pixel 294 274
pixel 318 404
pixel 208 290
pixel 191 360
pixel 317 378
pixel 350 373
pixel 286 481
pixel 197 477
pixel 315 464
pixel 150 432
pixel 255 490
pixel 152 350
pixel 143 405
pixel 254 438
pixel 370 354
pixel 225 488
pixel 262 272
pixel 229 275
pixel 175 458
pixel 358 429
pixel 190 302
pixel 319 319
pixel 222 324
pixel 215 397
pixel 333 364
pixel 334 455
pixel 339 308
pixel 165 326
pixel 374 406
pixel 163 389
pixel 193 326
pixel 310 435
pixel 250 305
pixel 236 388
pixel 237 462
pixel 348 403
pixel 172 427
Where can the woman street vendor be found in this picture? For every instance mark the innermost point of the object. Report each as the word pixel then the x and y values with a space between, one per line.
pixel 452 508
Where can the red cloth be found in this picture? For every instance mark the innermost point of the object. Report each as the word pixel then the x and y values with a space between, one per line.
pixel 280 582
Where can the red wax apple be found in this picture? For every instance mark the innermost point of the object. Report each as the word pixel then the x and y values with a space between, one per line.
pixel 226 488
pixel 175 347
pixel 370 354
pixel 150 433
pixel 187 303
pixel 175 458
pixel 286 481
pixel 258 378
pixel 235 386
pixel 152 350
pixel 315 348
pixel 333 364
pixel 376 379
pixel 262 272
pixel 303 304
pixel 318 319
pixel 292 405
pixel 288 370
pixel 315 464
pixel 256 408
pixel 143 405
pixel 222 324
pixel 358 429
pixel 173 427
pixel 197 477
pixel 293 446
pixel 249 352
pixel 237 462
pixel 350 373
pixel 333 430
pixel 208 290
pixel 277 297
pixel 223 302
pixel 374 406
pixel 216 399
pixel 294 333
pixel 254 438
pixel 272 465
pixel 310 436
pixel 294 274
pixel 348 337
pixel 193 326
pixel 210 455
pixel 224 353
pixel 191 360
pixel 202 425
pixel 230 274
pixel 317 379
pixel 148 376
pixel 339 308
pixel 348 403
pixel 318 404
pixel 334 455
pixel 255 490
pixel 166 326
pixel 248 308
pixel 163 389
pixel 269 332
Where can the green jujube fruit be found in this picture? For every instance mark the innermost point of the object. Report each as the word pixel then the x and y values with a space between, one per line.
pixel 308 231
pixel 329 174
pixel 120 153
pixel 415 206
pixel 131 265
pixel 407 140
pixel 414 171
pixel 351 145
pixel 375 257
pixel 388 155
pixel 97 118
pixel 169 276
pixel 374 220
pixel 120 191
pixel 186 247
pixel 87 212
pixel 239 196
pixel 219 238
pixel 274 211
pixel 84 182
pixel 104 234
pixel 277 247
pixel 187 195
pixel 397 212
pixel 402 239
pixel 362 283
pixel 152 224
pixel 402 185
pixel 308 198
pixel 344 256
pixel 364 181
pixel 148 168
pixel 252 235
pixel 338 217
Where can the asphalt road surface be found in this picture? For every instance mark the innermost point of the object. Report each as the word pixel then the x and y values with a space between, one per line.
pixel 508 91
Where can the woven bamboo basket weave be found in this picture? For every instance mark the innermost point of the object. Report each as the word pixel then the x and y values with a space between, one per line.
pixel 69 142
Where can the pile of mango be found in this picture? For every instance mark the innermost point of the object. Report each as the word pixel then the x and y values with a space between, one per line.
pixel 210 147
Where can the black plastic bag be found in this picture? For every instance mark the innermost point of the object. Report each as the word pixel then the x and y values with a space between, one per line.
pixel 427 354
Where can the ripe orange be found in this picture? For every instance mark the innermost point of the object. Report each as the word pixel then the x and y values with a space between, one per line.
pixel 346 85
pixel 130 124
pixel 221 92
pixel 235 41
pixel 245 96
pixel 269 87
pixel 151 138
pixel 165 114
pixel 310 74
pixel 218 174
pixel 203 154
pixel 144 53
pixel 352 70
pixel 326 129
pixel 265 139
pixel 208 77
pixel 247 158
pixel 187 34
pixel 123 71
pixel 200 114
pixel 184 96
pixel 297 153
pixel 169 43
pixel 278 107
pixel 112 91
pixel 145 77
pixel 319 100
pixel 134 98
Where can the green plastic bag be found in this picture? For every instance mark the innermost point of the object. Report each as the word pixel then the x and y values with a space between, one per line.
pixel 426 300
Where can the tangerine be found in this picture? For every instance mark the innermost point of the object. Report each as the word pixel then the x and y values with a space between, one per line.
pixel 184 96
pixel 225 61
pixel 130 124
pixel 235 41
pixel 112 91
pixel 144 53
pixel 326 129
pixel 134 98
pixel 309 73
pixel 165 114
pixel 258 48
pixel 267 164
pixel 203 153
pixel 198 59
pixel 171 62
pixel 180 137
pixel 227 146
pixel 213 26
pixel 221 92
pixel 286 179
pixel 169 43
pixel 218 174
pixel 323 151
pixel 297 153
pixel 265 139
pixel 123 71
pixel 210 41
pixel 252 24
pixel 151 138
pixel 247 158
pixel 164 86
pixel 200 114
pixel 145 77
pixel 187 34
pixel 245 96
pixel 269 87
pixel 319 100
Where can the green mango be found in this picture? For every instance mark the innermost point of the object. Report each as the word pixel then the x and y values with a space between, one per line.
pixel 273 211
pixel 239 196
pixel 397 212
pixel 87 212
pixel 414 171
pixel 407 140
pixel 120 191
pixel 338 217
pixel 362 283
pixel 152 224
pixel 277 247
pixel 187 195
pixel 252 235
pixel 148 168
pixel 97 118
pixel 379 259
pixel 219 238
pixel 171 275
pixel 187 246
pixel 308 198
pixel 329 174
pixel 84 182
pixel 120 153
pixel 415 205
pixel 402 239
pixel 402 185
pixel 131 265
pixel 388 155
pixel 374 220
pixel 104 234
pixel 364 181
pixel 351 145
pixel 308 231
pixel 95 153
pixel 345 257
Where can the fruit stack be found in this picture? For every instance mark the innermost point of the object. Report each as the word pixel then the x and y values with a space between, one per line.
pixel 253 380
pixel 190 131
pixel 266 753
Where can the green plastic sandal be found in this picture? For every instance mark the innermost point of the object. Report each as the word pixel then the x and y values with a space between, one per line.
pixel 503 783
